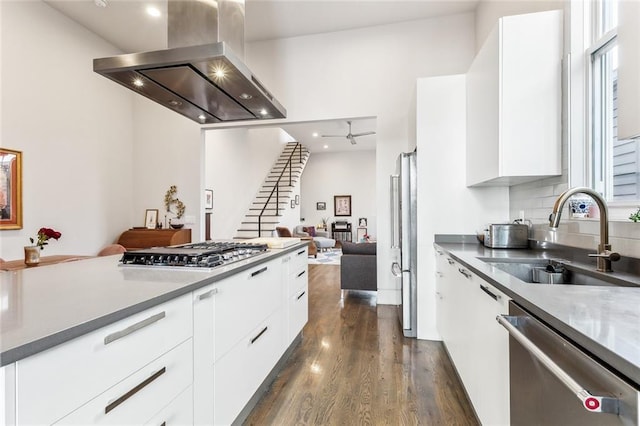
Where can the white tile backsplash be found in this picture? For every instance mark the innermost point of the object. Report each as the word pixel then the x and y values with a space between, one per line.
pixel 537 198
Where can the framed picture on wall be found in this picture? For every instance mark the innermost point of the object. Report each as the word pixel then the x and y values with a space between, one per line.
pixel 342 205
pixel 151 218
pixel 321 205
pixel 10 189
pixel 362 222
pixel 208 198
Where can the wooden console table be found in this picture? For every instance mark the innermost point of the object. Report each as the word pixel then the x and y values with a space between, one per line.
pixel 135 239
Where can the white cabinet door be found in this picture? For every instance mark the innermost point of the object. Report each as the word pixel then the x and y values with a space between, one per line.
pixel 478 347
pixel 178 412
pixel 8 395
pixel 137 398
pixel 297 293
pixel 204 301
pixel 53 383
pixel 491 345
pixel 240 372
pixel 243 301
pixel 443 296
pixel 514 111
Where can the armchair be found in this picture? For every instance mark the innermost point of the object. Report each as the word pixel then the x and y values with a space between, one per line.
pixel 284 232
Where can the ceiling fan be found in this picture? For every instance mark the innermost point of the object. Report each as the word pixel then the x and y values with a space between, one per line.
pixel 350 136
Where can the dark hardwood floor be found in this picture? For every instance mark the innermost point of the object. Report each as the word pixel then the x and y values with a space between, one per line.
pixel 354 366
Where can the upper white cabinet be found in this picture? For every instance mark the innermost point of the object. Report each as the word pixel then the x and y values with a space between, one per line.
pixel 514 112
pixel 629 70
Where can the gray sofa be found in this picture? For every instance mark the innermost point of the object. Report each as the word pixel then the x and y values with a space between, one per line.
pixel 358 270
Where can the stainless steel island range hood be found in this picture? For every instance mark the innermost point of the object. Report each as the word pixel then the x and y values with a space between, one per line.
pixel 207 83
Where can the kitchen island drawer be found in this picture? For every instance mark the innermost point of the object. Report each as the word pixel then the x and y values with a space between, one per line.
pixel 57 381
pixel 238 375
pixel 244 301
pixel 299 260
pixel 178 412
pixel 141 395
pixel 298 312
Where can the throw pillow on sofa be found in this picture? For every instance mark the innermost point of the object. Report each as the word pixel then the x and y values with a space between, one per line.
pixel 311 230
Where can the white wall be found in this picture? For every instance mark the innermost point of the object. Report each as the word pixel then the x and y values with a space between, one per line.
pixel 366 72
pixel 445 204
pixel 73 127
pixel 168 150
pixel 489 11
pixel 340 173
pixel 236 163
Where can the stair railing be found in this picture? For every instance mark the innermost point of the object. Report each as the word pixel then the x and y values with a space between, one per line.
pixel 276 188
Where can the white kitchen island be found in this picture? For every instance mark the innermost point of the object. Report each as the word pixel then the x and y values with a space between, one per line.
pixel 92 342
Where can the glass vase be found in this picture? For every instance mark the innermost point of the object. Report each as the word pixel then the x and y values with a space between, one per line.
pixel 32 255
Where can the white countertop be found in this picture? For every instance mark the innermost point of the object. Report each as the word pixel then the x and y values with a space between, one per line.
pixel 44 306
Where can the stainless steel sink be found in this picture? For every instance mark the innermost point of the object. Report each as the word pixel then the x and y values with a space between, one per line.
pixel 555 271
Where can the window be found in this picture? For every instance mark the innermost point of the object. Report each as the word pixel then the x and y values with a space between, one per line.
pixel 614 163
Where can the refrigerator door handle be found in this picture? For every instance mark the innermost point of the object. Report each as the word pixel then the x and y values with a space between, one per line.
pixel 394 203
pixel 396 270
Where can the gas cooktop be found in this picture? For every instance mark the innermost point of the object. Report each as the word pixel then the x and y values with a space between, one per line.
pixel 208 254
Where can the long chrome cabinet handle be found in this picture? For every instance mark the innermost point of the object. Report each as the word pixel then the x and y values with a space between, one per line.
pixel 593 403
pixel 259 271
pixel 259 335
pixel 301 252
pixel 208 294
pixel 300 296
pixel 301 273
pixel 135 390
pixel 133 328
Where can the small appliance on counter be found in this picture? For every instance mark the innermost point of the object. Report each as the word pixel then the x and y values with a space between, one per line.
pixel 506 235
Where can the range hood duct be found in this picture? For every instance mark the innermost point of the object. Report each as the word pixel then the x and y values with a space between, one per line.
pixel 199 75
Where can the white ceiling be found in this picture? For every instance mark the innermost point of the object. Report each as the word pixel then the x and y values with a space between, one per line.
pixel 125 24
pixel 303 133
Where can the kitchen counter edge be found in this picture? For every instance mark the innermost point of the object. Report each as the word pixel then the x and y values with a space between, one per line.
pixel 29 348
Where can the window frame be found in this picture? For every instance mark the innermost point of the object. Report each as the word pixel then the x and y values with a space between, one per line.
pixel 580 119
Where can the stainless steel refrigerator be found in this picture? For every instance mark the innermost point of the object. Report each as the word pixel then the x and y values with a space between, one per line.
pixel 404 238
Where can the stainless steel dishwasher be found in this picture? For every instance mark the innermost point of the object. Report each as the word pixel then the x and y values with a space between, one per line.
pixel 553 382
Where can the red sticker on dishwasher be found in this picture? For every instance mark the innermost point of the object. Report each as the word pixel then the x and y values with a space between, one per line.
pixel 591 403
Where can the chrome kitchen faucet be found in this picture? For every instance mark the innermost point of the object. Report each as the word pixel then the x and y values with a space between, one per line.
pixel 604 256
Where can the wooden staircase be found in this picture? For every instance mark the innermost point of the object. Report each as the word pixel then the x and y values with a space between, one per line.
pixel 275 193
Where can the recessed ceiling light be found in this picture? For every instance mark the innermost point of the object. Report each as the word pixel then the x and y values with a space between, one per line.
pixel 315 134
pixel 153 11
pixel 326 146
pixel 219 73
pixel 100 3
pixel 263 111
pixel 202 117
pixel 138 82
pixel 245 96
pixel 174 103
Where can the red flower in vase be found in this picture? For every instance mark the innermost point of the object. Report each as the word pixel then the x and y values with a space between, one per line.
pixel 44 234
